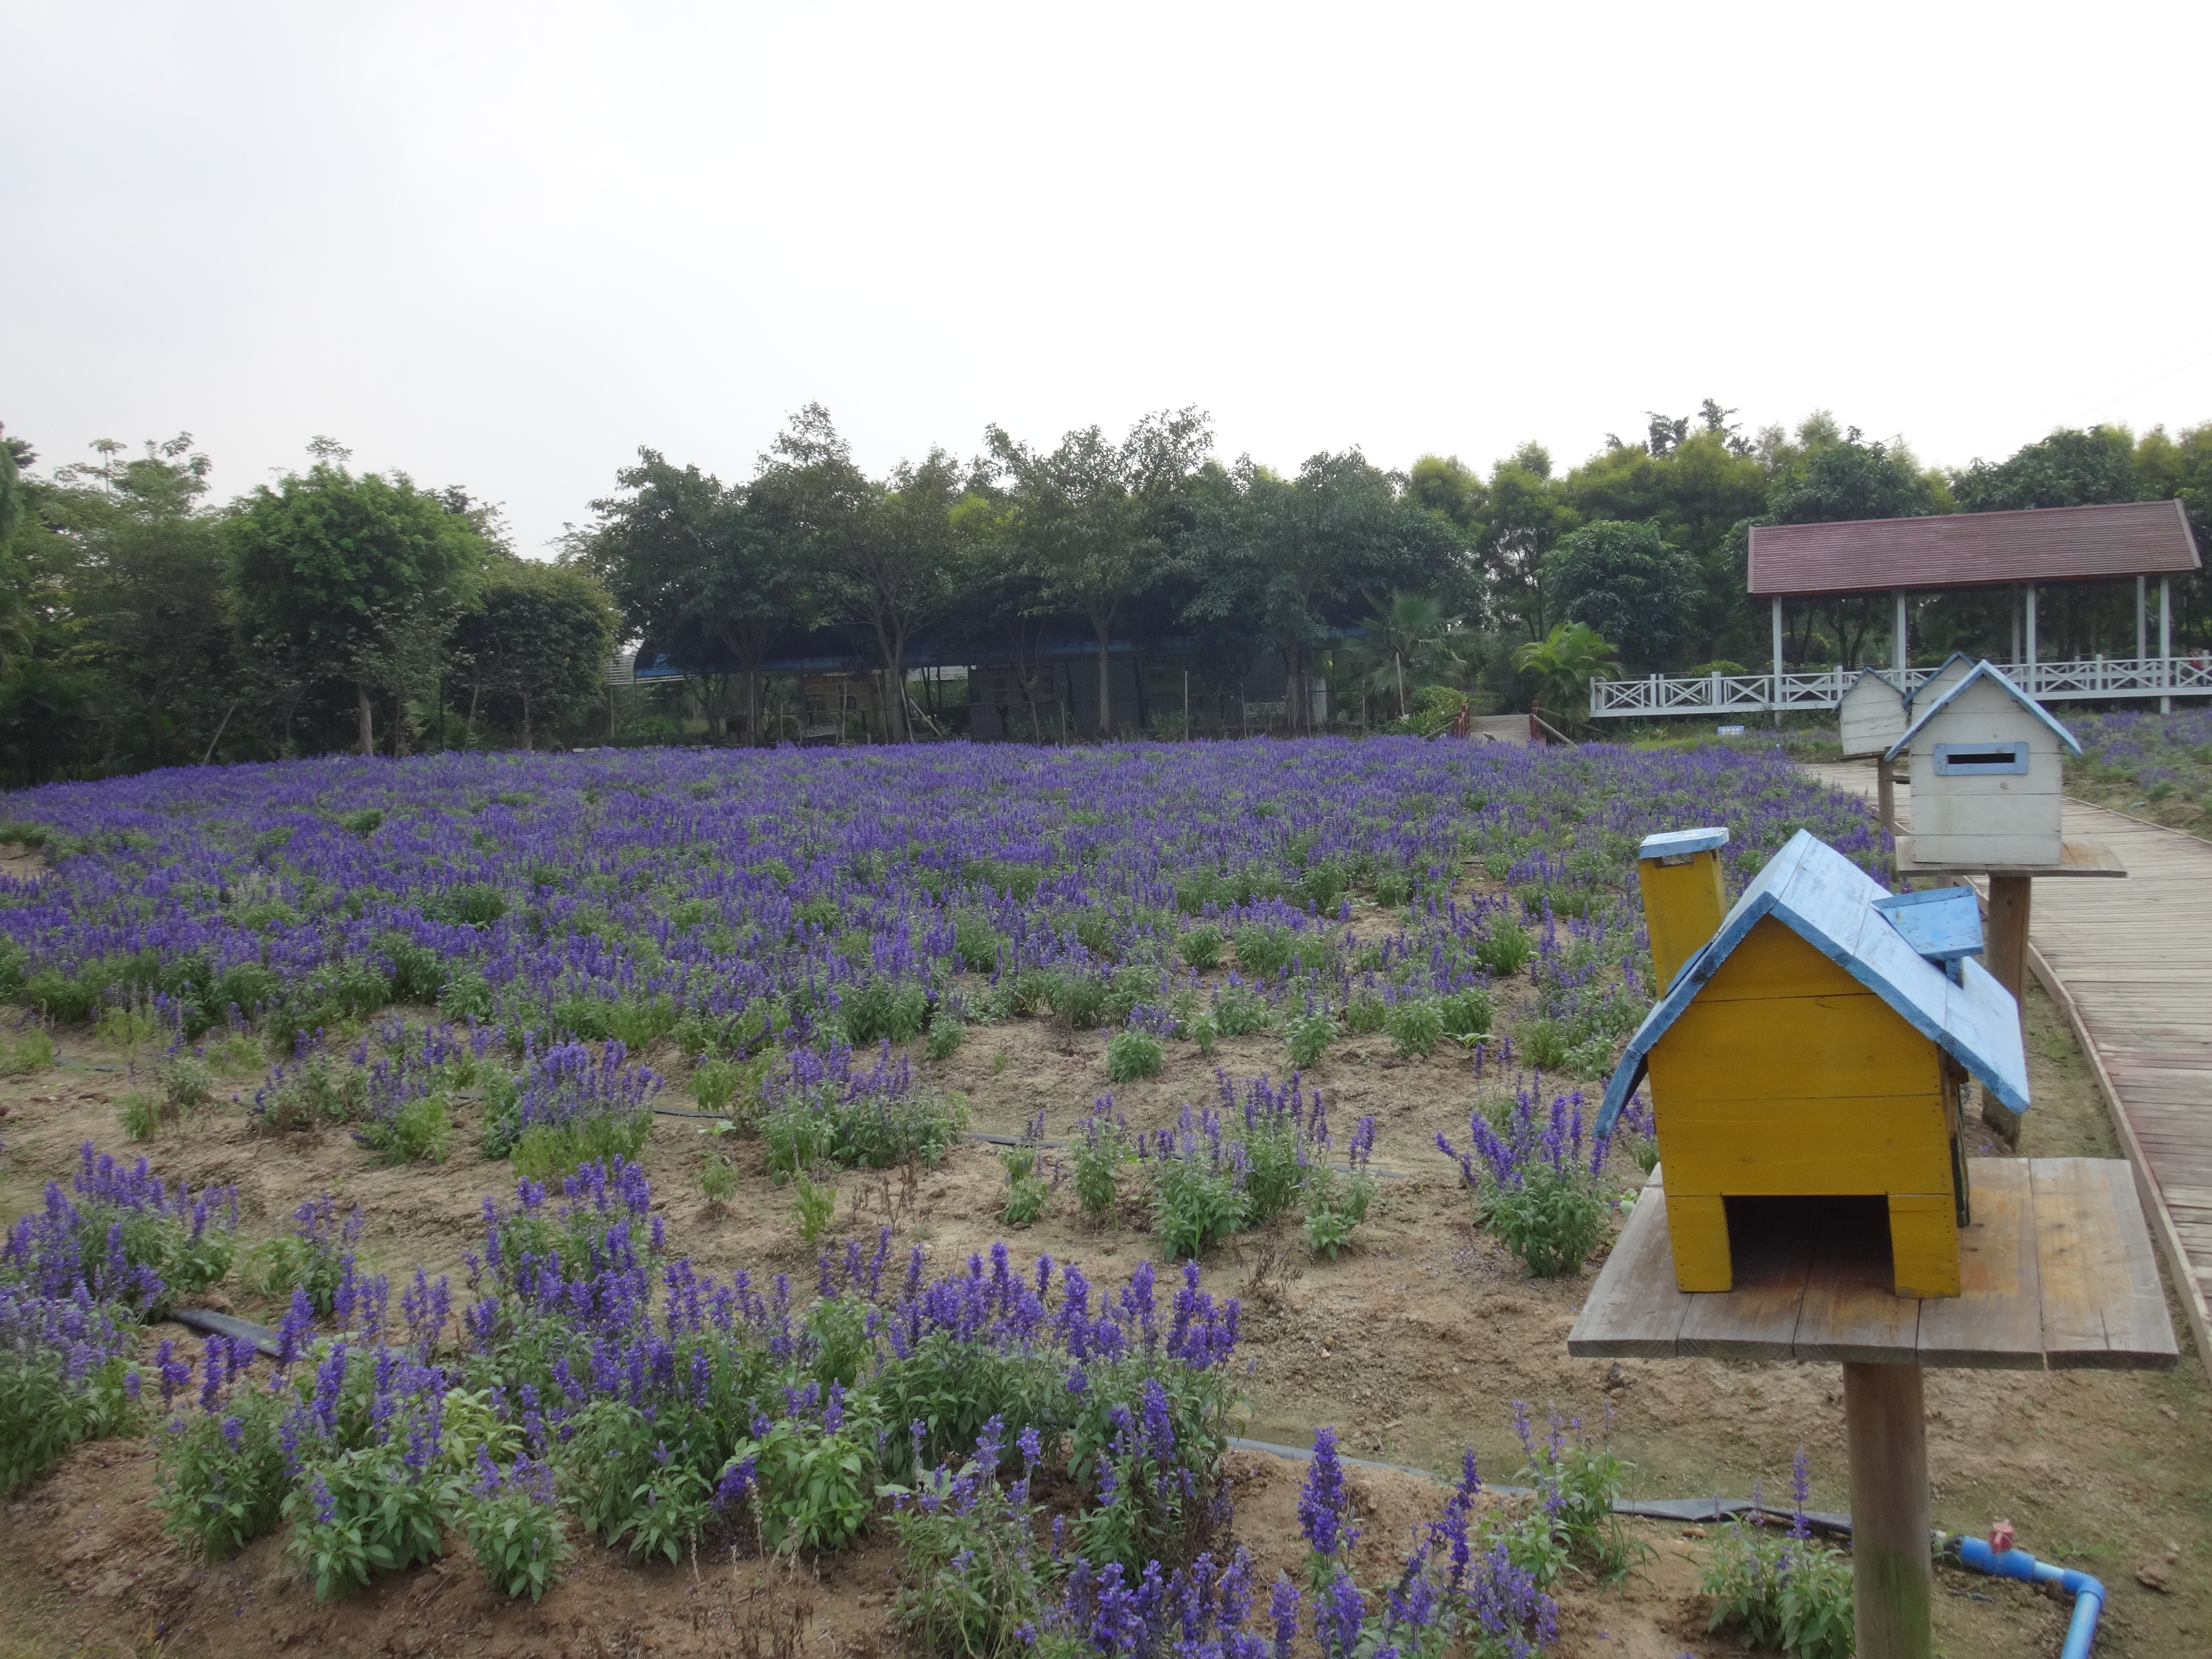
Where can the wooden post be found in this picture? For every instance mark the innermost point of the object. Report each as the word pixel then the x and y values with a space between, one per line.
pixel 1893 1582
pixel 2006 958
pixel 1885 794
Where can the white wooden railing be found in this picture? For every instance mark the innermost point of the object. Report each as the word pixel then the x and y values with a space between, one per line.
pixel 1744 694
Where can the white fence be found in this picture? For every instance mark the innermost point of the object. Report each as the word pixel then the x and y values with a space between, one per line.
pixel 1745 694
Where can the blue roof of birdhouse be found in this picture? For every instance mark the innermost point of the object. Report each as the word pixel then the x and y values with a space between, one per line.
pixel 1879 676
pixel 1941 668
pixel 1983 670
pixel 1830 903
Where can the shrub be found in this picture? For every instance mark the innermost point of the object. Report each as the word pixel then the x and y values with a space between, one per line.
pixel 1263 948
pixel 1239 1010
pixel 1308 1038
pixel 514 1526
pixel 970 1583
pixel 1464 1014
pixel 1200 948
pixel 718 1181
pixel 820 1109
pixel 126 1216
pixel 810 1486
pixel 363 1512
pixel 1198 1192
pixel 882 1011
pixel 1364 1015
pixel 1503 947
pixel 1027 1193
pixel 27 1051
pixel 547 1151
pixel 1788 1593
pixel 945 1037
pixel 1133 1054
pixel 1533 1186
pixel 1100 1148
pixel 312 1090
pixel 220 1472
pixel 1337 1200
pixel 815 1205
pixel 420 1132
pixel 1204 1029
pixel 316 1257
pixel 65 1371
pixel 976 943
pixel 139 1113
pixel 1414 1025
pixel 569 1107
pixel 187 1085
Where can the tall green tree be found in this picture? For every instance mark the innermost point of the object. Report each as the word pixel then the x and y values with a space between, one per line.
pixel 2069 468
pixel 1094 520
pixel 364 573
pixel 538 638
pixel 696 566
pixel 1529 512
pixel 147 594
pixel 1292 555
pixel 1624 582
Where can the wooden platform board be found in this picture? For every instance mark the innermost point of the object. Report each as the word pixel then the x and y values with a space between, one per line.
pixel 2058 1272
pixel 2075 858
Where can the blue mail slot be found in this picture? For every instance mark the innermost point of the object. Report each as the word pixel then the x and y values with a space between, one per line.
pixel 1974 760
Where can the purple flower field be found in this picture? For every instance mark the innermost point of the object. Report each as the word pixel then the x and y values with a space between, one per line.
pixel 854 892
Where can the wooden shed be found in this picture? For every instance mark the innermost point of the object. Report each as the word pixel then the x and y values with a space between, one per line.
pixel 1871 715
pixel 1816 1044
pixel 1987 775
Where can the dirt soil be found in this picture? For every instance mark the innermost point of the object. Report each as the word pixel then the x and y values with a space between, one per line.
pixel 1416 1343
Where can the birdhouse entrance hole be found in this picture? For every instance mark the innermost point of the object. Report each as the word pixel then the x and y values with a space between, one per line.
pixel 1769 1233
pixel 1958 760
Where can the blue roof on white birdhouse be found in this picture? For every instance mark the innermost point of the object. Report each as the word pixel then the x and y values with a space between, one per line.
pixel 1834 906
pixel 1983 670
pixel 1936 678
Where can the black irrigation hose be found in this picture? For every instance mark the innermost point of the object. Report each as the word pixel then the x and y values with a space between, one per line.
pixel 263 1339
pixel 1691 1509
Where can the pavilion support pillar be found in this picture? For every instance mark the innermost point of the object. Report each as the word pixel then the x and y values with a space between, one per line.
pixel 2029 687
pixel 2165 640
pixel 1898 648
pixel 2142 619
pixel 2014 658
pixel 1778 661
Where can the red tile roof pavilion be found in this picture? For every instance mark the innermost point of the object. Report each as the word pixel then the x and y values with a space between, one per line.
pixel 1972 550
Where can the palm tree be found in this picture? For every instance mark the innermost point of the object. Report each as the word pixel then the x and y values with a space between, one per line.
pixel 1404 638
pixel 1565 662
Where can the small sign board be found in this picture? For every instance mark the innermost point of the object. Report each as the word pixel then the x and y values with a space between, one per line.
pixel 1731 731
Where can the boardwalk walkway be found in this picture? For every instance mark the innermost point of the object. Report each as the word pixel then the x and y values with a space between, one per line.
pixel 2131 963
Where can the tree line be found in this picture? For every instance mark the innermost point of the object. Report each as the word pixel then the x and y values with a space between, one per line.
pixel 143 624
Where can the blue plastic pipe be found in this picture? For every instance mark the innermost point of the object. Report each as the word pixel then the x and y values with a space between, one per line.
pixel 2088 1595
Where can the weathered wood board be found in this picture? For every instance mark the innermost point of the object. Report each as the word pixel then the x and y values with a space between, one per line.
pixel 2057 1271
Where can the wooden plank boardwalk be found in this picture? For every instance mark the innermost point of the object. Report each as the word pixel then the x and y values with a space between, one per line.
pixel 2131 963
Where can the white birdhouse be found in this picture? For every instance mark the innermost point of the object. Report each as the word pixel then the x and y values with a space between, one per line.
pixel 1872 714
pixel 1987 791
pixel 1923 696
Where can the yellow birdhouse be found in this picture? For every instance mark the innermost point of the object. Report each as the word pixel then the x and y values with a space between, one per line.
pixel 1813 1042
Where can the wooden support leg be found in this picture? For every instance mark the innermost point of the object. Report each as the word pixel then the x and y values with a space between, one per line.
pixel 1885 795
pixel 1698 1227
pixel 1892 1580
pixel 2006 958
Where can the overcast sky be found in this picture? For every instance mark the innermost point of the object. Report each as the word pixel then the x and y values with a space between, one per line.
pixel 504 246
